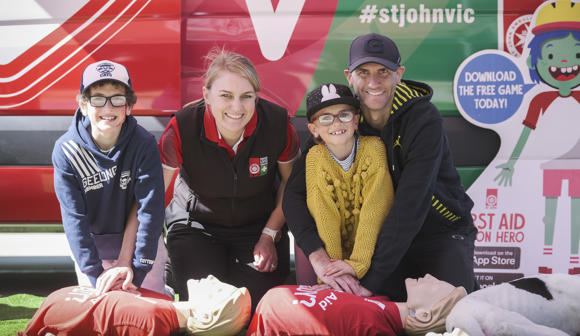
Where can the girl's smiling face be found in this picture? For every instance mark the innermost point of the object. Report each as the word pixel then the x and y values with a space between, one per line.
pixel 339 132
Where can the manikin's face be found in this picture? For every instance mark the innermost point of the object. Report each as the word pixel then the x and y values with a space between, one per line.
pixel 208 293
pixel 425 292
pixel 232 100
pixel 107 119
pixel 216 308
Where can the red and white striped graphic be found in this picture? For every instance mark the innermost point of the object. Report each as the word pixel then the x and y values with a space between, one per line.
pixel 48 60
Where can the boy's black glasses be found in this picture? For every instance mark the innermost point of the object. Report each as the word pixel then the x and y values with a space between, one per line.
pixel 100 101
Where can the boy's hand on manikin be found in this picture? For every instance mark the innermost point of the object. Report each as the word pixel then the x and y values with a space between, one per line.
pixel 119 277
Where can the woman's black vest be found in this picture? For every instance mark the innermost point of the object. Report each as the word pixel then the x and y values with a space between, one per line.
pixel 238 192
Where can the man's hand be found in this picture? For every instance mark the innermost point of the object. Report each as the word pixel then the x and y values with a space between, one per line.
pixel 357 289
pixel 320 261
pixel 265 257
pixel 350 284
pixel 346 283
pixel 362 291
pixel 320 287
pixel 117 277
pixel 338 267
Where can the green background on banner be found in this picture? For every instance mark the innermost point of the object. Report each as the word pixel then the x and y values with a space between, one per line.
pixel 447 43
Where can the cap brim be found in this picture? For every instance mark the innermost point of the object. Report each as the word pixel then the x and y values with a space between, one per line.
pixel 352 101
pixel 102 80
pixel 390 65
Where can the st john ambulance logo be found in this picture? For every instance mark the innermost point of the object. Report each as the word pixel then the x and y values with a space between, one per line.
pixel 254 167
pixel 258 166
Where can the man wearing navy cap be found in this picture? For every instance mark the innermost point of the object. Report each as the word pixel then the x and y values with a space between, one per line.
pixel 429 228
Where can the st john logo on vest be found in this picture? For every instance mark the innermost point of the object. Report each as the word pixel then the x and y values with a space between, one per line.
pixel 258 166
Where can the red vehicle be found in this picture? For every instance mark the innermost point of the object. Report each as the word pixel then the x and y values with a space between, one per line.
pixel 294 44
pixel 162 43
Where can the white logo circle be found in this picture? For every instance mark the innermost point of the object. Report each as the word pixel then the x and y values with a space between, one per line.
pixel 254 168
pixel 515 37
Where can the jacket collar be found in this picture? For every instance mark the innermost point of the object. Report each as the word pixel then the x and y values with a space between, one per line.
pixel 406 94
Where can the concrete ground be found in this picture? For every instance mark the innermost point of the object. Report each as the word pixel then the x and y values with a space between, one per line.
pixel 34 283
pixel 34 263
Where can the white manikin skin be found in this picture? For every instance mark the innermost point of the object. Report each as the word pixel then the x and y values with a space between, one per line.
pixel 508 310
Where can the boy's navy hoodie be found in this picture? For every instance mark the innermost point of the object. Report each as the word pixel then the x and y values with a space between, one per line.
pixel 96 191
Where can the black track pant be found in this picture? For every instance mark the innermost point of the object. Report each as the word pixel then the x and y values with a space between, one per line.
pixel 194 255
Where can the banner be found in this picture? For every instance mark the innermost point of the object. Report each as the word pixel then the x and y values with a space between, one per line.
pixel 527 201
pixel 46 45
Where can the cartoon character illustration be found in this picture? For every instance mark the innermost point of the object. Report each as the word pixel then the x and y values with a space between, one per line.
pixel 554 60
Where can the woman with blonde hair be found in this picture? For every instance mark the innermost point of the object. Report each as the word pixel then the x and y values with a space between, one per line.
pixel 234 151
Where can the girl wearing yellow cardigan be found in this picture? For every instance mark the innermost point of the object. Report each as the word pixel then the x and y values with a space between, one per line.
pixel 348 186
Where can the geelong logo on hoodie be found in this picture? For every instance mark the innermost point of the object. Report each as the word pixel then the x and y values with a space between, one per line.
pixel 85 164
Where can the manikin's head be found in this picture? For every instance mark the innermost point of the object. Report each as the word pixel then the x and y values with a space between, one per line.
pixel 429 301
pixel 217 308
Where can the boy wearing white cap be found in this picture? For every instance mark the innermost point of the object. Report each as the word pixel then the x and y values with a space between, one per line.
pixel 109 182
